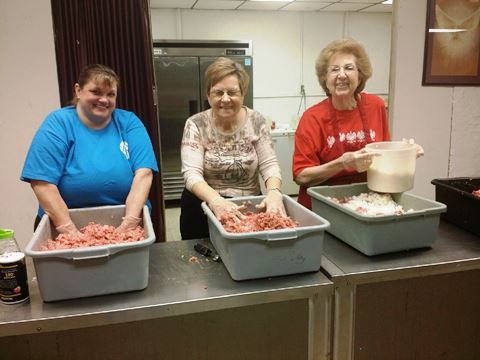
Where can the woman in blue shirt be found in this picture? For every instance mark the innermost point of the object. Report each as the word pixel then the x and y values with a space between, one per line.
pixel 91 154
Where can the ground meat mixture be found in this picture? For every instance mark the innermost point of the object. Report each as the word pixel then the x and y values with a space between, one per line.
pixel 256 222
pixel 476 193
pixel 94 235
pixel 372 204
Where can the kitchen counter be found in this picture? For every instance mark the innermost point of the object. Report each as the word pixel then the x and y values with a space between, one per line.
pixel 177 286
pixel 412 304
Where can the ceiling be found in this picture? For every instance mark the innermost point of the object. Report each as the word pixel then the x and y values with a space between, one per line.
pixel 296 5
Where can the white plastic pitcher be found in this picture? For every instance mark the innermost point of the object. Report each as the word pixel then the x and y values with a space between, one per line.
pixel 394 170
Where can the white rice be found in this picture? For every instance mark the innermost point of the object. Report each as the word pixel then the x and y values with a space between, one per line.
pixel 372 204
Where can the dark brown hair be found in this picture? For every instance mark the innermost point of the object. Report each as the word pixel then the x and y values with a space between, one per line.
pixel 98 73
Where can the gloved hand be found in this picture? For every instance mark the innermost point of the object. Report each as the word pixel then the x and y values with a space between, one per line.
pixel 220 206
pixel 68 229
pixel 420 151
pixel 273 202
pixel 129 222
pixel 359 160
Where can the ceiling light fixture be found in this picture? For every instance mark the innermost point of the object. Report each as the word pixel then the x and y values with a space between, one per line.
pixel 446 30
pixel 387 2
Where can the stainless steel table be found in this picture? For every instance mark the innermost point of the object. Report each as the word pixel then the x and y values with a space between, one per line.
pixel 177 286
pixel 419 304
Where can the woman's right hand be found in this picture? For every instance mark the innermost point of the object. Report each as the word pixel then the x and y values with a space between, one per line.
pixel 221 206
pixel 359 160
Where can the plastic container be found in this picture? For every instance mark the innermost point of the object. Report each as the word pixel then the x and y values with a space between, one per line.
pixel 381 234
pixel 13 271
pixel 394 170
pixel 270 253
pixel 463 208
pixel 82 272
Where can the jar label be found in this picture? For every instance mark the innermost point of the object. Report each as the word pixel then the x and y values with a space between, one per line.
pixel 13 280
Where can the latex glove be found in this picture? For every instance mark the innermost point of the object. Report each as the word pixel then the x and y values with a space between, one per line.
pixel 68 229
pixel 129 222
pixel 221 206
pixel 420 151
pixel 273 202
pixel 359 160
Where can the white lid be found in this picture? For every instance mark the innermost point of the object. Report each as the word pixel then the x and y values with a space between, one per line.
pixel 11 257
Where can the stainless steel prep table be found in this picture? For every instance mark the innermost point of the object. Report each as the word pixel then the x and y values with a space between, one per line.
pixel 419 304
pixel 178 286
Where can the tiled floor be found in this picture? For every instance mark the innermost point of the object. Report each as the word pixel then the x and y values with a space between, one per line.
pixel 172 221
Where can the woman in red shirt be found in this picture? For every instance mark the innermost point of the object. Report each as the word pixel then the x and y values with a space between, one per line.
pixel 331 135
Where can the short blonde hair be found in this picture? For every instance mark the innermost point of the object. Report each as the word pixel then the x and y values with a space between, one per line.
pixel 344 46
pixel 223 67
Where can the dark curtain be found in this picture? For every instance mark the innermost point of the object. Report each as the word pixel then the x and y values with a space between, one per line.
pixel 115 33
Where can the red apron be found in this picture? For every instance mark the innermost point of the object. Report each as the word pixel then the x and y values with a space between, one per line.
pixel 342 177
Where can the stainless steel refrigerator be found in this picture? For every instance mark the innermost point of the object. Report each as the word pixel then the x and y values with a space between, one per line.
pixel 179 74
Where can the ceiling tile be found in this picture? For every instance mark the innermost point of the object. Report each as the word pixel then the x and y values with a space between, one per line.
pixel 361 1
pixel 263 5
pixel 346 7
pixel 379 8
pixel 218 4
pixel 171 4
pixel 305 6
pixel 296 5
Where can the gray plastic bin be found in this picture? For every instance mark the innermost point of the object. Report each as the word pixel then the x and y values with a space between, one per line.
pixel 380 234
pixel 81 272
pixel 270 253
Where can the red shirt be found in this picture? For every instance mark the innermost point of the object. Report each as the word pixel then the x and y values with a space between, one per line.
pixel 324 134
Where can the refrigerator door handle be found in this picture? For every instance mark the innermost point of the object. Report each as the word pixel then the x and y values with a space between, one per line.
pixel 193 107
pixel 206 105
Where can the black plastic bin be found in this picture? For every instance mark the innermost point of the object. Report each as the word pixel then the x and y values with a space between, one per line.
pixel 463 208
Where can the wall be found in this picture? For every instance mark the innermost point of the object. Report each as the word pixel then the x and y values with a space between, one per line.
pixel 285 46
pixel 29 91
pixel 445 120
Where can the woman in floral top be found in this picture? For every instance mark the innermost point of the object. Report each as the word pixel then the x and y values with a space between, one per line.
pixel 223 151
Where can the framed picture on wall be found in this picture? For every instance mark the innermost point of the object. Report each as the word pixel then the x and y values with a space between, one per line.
pixel 452 43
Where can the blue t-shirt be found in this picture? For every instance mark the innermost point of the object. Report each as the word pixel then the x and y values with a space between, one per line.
pixel 90 167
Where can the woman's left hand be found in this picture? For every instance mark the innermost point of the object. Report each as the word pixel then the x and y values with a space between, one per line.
pixel 129 222
pixel 273 202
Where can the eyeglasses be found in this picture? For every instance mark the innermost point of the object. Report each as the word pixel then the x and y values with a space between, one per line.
pixel 334 70
pixel 231 93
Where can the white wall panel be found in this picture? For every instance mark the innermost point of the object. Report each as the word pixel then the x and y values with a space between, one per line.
pixel 420 112
pixel 280 110
pixel 376 39
pixel 465 142
pixel 285 46
pixel 29 92
pixel 276 44
pixel 166 24
pixel 319 29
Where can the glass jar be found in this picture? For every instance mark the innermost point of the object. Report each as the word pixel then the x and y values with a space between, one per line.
pixel 13 271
